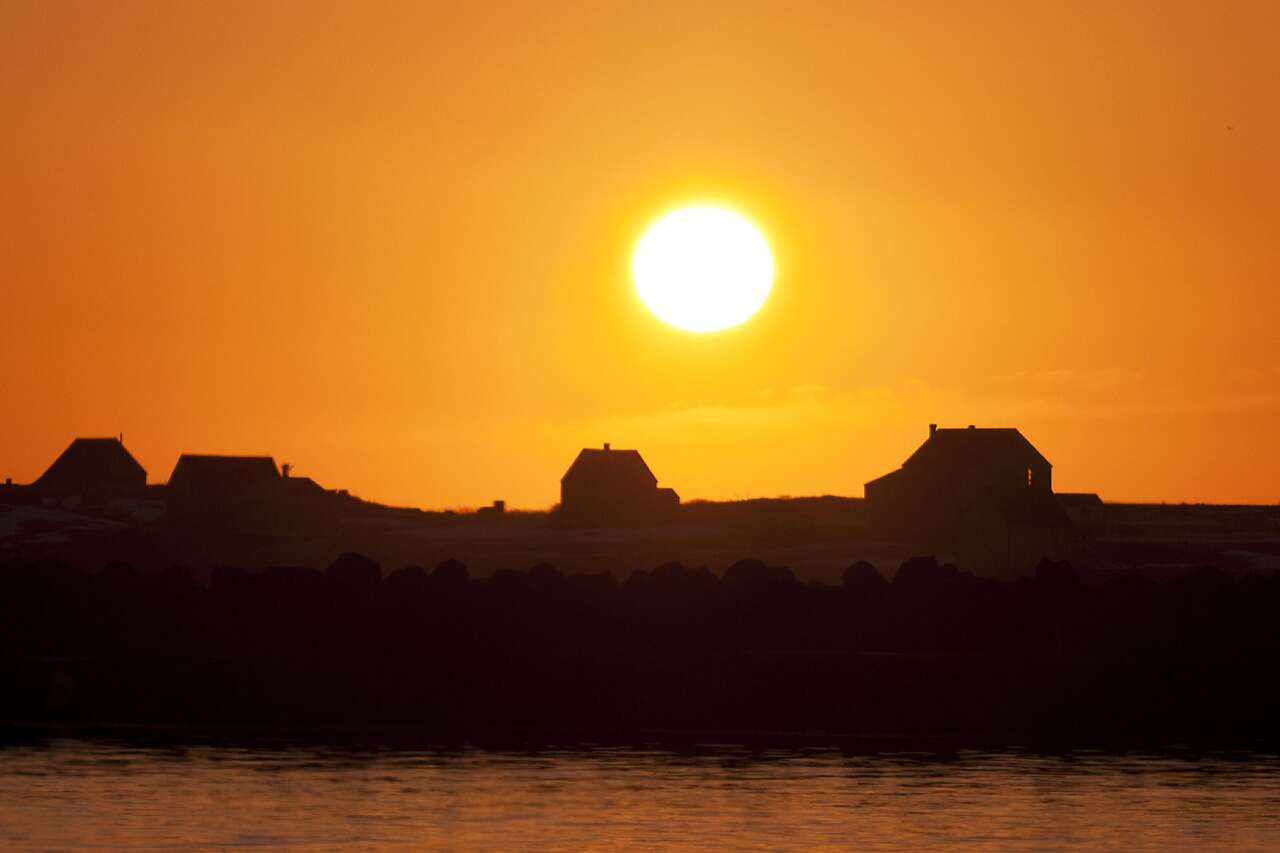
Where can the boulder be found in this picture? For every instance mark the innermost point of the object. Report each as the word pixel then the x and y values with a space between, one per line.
pixel 355 571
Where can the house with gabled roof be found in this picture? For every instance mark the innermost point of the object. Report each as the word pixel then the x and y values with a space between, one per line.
pixel 248 493
pixel 604 486
pixel 950 473
pixel 95 467
pixel 214 479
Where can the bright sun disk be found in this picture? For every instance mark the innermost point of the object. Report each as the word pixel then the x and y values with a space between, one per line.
pixel 703 268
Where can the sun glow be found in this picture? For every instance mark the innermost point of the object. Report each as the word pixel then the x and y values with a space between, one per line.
pixel 703 268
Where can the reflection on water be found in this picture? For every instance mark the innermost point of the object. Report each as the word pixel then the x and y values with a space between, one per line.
pixel 71 793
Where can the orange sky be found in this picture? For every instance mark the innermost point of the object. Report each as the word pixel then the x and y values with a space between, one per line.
pixel 389 242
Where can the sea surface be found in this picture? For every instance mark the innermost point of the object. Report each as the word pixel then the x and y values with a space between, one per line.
pixel 78 794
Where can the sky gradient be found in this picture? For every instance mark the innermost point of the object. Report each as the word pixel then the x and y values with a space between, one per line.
pixel 389 242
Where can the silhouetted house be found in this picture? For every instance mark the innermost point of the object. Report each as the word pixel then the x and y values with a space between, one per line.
pixel 606 486
pixel 1007 532
pixel 249 493
pixel 939 483
pixel 12 493
pixel 225 491
pixel 302 487
pixel 1082 507
pixel 223 479
pixel 99 467
pixel 495 509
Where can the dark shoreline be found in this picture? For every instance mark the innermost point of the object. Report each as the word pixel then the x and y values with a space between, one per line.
pixel 672 654
pixel 37 734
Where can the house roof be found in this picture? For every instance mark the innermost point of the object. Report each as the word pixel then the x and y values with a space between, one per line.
pixel 302 486
pixel 223 475
pixel 972 444
pixel 892 475
pixel 606 463
pixel 93 463
pixel 1079 499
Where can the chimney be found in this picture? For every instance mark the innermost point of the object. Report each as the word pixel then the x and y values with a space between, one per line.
pixel 932 429
pixel 606 445
pixel 285 469
pixel 8 481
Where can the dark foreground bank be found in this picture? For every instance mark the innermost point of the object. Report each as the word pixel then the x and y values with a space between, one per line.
pixel 937 652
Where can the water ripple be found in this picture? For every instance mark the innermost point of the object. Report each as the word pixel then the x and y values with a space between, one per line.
pixel 72 794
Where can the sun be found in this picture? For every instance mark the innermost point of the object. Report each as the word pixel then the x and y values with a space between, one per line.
pixel 703 268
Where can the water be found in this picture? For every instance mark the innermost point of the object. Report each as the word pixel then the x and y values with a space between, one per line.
pixel 85 794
